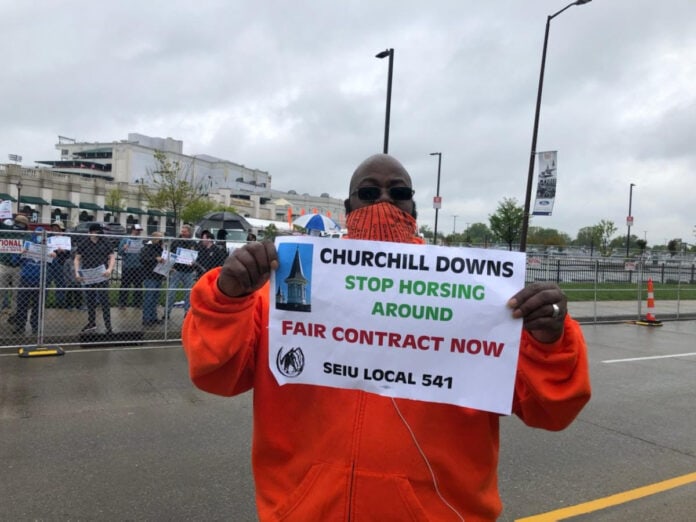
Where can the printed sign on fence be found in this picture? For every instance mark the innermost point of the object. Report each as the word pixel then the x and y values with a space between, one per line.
pixel 91 276
pixel 11 246
pixel 34 251
pixel 412 321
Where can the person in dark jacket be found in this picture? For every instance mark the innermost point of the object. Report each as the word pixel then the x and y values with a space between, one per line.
pixel 95 256
pixel 182 274
pixel 210 255
pixel 54 271
pixel 28 291
pixel 9 261
pixel 131 273
pixel 150 257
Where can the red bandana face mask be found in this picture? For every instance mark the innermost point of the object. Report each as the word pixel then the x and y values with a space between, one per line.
pixel 382 222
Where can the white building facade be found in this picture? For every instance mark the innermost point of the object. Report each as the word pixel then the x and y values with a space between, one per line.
pixel 75 187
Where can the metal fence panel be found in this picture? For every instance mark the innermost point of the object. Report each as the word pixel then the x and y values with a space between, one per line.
pixel 42 302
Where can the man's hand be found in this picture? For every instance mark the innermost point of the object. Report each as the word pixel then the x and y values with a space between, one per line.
pixel 543 307
pixel 247 269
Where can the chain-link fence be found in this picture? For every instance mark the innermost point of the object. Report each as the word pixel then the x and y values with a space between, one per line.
pixel 87 289
pixel 91 289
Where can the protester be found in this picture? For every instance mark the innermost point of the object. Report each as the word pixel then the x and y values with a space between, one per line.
pixel 28 291
pixel 9 261
pixel 182 274
pixel 336 454
pixel 94 262
pixel 54 270
pixel 73 288
pixel 131 273
pixel 210 255
pixel 150 257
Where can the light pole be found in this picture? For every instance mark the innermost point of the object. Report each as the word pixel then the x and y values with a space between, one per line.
pixel 436 200
pixel 454 224
pixel 390 54
pixel 532 154
pixel 19 194
pixel 629 219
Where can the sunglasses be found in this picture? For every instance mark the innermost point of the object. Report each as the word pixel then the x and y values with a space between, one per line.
pixel 374 193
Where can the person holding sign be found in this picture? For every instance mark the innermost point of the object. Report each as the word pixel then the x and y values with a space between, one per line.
pixel 60 252
pixel 94 262
pixel 131 272
pixel 184 270
pixel 10 258
pixel 150 257
pixel 323 453
pixel 28 291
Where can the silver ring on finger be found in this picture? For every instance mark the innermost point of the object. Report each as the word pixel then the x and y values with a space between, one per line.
pixel 556 311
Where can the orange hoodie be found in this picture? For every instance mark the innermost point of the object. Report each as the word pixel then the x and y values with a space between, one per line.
pixel 325 454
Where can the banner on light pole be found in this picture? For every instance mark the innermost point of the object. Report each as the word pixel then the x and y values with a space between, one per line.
pixel 546 183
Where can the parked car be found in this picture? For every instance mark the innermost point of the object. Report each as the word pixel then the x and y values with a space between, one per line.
pixel 110 229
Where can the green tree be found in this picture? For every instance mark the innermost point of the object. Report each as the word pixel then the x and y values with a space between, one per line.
pixel 673 246
pixel 506 223
pixel 478 234
pixel 605 231
pixel 114 199
pixel 195 210
pixel 171 186
pixel 589 237
pixel 642 243
pixel 270 232
pixel 427 233
pixel 547 237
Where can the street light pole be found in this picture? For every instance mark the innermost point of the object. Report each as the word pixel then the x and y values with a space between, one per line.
pixel 454 224
pixel 532 154
pixel 629 219
pixel 437 193
pixel 19 194
pixel 387 53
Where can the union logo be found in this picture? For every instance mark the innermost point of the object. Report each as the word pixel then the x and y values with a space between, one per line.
pixel 290 362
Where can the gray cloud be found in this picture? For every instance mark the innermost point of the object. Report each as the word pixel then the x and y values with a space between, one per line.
pixel 295 89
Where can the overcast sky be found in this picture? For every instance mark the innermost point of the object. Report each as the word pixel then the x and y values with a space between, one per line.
pixel 294 88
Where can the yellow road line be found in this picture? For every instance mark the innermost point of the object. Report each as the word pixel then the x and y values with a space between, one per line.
pixel 612 500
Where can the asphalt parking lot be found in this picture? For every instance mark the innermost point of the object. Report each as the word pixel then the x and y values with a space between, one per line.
pixel 121 434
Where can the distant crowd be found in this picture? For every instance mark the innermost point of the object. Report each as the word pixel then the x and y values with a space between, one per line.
pixel 79 271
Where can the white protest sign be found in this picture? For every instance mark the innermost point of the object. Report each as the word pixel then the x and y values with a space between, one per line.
pixel 186 256
pixel 34 251
pixel 166 266
pixel 133 246
pixel 91 276
pixel 5 209
pixel 412 321
pixel 58 242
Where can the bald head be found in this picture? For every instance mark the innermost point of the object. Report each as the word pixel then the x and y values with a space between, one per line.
pixel 383 172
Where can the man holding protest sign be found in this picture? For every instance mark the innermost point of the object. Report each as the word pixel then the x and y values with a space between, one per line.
pixel 328 453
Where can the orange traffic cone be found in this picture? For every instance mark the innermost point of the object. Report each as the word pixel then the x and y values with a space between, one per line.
pixel 650 319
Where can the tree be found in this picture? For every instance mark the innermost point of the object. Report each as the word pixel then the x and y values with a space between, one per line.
pixel 171 186
pixel 196 210
pixel 478 234
pixel 270 232
pixel 605 230
pixel 642 243
pixel 589 237
pixel 427 233
pixel 547 237
pixel 114 199
pixel 673 246
pixel 506 223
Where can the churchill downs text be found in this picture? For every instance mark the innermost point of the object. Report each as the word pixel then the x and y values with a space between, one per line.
pixel 403 261
pixel 392 339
